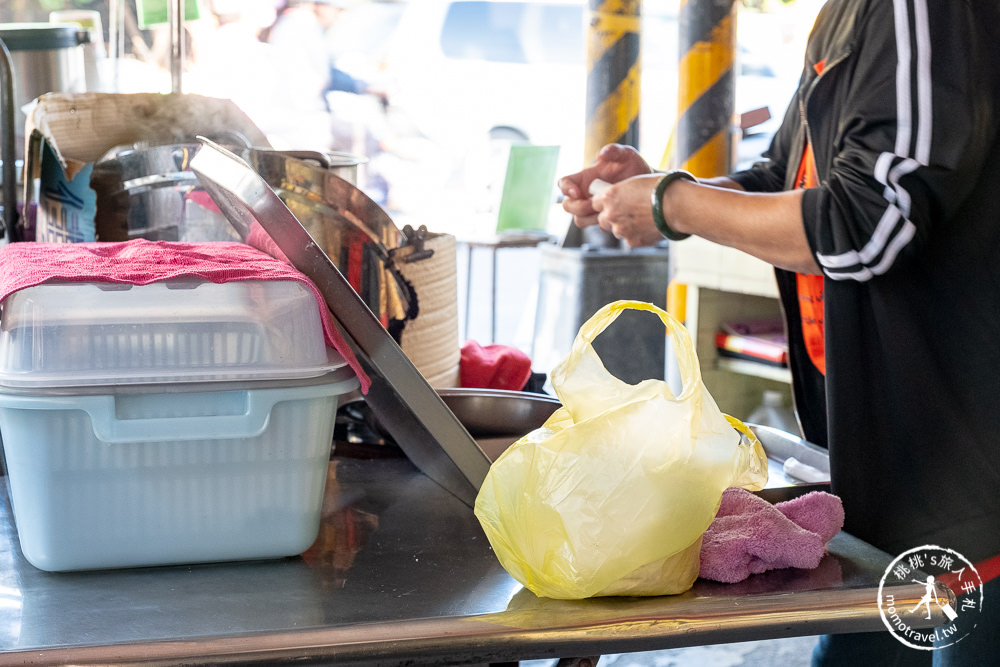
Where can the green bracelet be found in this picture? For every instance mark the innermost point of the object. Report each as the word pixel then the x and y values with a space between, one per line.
pixel 661 187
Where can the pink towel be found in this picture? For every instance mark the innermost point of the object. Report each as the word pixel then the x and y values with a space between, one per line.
pixel 750 535
pixel 140 262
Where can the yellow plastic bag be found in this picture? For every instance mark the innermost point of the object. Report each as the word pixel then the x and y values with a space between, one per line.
pixel 612 494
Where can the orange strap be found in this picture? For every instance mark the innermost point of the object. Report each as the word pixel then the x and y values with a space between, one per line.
pixel 810 287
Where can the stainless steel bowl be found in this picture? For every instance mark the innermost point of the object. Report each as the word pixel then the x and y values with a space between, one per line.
pixel 494 417
pixel 498 412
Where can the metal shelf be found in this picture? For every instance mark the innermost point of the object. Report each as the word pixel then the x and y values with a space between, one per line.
pixel 754 369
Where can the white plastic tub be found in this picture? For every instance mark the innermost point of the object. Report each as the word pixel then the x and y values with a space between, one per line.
pixel 166 424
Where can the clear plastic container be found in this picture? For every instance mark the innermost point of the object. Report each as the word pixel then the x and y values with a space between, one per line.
pixel 59 335
pixel 773 412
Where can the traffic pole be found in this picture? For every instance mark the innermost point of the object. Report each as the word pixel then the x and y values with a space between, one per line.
pixel 706 122
pixel 613 69
pixel 705 135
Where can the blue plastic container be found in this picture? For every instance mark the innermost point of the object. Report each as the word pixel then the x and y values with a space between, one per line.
pixel 166 424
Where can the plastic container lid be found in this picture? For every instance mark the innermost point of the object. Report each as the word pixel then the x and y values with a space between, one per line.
pixel 63 335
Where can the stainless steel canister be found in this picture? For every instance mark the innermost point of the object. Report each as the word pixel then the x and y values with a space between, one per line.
pixel 46 57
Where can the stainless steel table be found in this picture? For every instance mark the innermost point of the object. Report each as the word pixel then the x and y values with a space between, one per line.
pixel 401 574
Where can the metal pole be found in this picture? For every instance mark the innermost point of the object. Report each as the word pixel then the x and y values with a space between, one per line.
pixel 116 39
pixel 8 146
pixel 707 87
pixel 613 68
pixel 613 91
pixel 176 17
pixel 707 118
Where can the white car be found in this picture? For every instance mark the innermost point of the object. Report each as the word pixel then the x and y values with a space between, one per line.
pixel 472 74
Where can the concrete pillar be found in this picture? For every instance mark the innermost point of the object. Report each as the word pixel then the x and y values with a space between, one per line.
pixel 613 68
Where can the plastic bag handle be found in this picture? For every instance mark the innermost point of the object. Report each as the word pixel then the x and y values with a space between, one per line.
pixel 687 358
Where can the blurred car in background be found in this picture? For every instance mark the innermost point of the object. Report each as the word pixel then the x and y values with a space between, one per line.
pixel 466 77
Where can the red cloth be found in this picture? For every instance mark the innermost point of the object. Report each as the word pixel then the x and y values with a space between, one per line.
pixel 140 262
pixel 493 367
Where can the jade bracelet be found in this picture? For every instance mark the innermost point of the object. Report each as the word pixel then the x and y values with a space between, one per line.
pixel 661 187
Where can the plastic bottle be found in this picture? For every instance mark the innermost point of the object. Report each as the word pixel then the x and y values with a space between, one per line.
pixel 773 412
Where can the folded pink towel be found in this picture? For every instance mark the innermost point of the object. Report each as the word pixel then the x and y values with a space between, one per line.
pixel 750 535
pixel 140 262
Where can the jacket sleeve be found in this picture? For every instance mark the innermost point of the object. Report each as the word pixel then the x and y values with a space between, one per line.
pixel 916 105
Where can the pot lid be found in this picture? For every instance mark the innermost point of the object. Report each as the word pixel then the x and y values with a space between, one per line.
pixel 412 412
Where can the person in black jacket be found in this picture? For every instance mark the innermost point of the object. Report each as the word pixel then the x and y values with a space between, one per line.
pixel 878 202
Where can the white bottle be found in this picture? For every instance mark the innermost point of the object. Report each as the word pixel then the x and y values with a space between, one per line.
pixel 774 413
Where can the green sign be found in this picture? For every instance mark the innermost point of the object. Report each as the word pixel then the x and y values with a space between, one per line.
pixel 156 12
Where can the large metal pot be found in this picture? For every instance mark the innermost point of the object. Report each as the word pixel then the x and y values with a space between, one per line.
pixel 35 58
pixel 355 233
pixel 150 192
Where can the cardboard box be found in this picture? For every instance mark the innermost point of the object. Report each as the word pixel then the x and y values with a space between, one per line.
pixel 66 133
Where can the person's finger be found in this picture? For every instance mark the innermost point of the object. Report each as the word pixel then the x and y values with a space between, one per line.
pixel 605 223
pixel 569 187
pixel 578 207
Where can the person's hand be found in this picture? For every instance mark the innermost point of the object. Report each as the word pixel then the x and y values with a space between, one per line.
pixel 614 163
pixel 625 210
pixel 381 95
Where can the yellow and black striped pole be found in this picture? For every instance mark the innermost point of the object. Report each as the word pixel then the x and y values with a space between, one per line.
pixel 613 91
pixel 706 87
pixel 705 128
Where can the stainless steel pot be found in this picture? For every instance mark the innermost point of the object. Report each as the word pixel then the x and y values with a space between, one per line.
pixel 319 188
pixel 46 57
pixel 151 192
pixel 35 58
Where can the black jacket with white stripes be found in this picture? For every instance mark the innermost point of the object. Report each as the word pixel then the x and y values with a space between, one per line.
pixel 904 122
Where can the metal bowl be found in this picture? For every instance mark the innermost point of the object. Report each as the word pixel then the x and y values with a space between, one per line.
pixel 499 412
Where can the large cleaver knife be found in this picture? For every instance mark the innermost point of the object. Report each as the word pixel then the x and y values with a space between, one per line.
pixel 414 414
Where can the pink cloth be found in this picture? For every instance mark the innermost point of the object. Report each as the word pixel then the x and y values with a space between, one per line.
pixel 140 262
pixel 493 367
pixel 750 535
